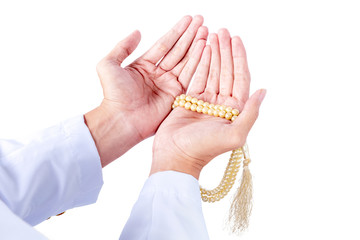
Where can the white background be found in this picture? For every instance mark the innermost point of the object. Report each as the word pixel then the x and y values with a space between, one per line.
pixel 305 145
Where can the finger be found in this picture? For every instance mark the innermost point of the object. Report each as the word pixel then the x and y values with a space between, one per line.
pixel 227 71
pixel 212 84
pixel 182 46
pixel 125 47
pixel 190 67
pixel 164 44
pixel 201 35
pixel 241 85
pixel 248 116
pixel 199 83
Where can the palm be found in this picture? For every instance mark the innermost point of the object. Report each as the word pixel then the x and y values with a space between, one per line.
pixel 143 95
pixel 145 89
pixel 183 128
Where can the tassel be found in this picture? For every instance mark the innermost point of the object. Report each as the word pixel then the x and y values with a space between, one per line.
pixel 241 206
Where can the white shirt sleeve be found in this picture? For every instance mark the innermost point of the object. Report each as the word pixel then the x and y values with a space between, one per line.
pixel 55 170
pixel 169 207
pixel 14 228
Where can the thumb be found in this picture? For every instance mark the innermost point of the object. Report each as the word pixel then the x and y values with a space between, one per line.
pixel 125 47
pixel 248 116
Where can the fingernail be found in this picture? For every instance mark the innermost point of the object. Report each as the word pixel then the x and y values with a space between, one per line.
pixel 262 95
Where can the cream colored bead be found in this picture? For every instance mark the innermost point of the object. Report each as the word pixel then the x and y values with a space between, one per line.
pixel 210 111
pixel 173 106
pixel 235 112
pixel 246 162
pixel 216 113
pixel 182 103
pixel 199 109
pixel 206 104
pixel 205 110
pixel 194 100
pixel 188 98
pixel 222 114
pixel 233 118
pixel 193 107
pixel 177 98
pixel 176 103
pixel 228 116
pixel 217 107
pixel 228 109
pixel 222 108
pixel 211 106
pixel 200 103
pixel 182 97
pixel 187 105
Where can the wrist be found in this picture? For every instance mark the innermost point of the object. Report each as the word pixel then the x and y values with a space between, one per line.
pixel 111 131
pixel 173 162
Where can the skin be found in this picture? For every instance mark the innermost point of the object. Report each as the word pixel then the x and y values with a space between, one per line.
pixel 138 97
pixel 186 141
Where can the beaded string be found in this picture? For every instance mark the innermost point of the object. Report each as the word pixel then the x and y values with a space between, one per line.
pixel 200 106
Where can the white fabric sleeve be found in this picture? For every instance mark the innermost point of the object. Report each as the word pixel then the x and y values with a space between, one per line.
pixel 168 208
pixel 14 228
pixel 55 170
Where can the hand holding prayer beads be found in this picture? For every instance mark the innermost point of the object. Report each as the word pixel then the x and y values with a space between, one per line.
pixel 241 207
pixel 237 155
pixel 200 128
pixel 203 137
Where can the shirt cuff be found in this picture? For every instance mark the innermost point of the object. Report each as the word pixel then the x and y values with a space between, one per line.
pixel 172 182
pixel 169 207
pixel 87 159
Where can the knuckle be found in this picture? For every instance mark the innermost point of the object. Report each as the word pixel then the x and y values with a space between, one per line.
pixel 165 65
pixel 255 109
pixel 177 50
pixel 211 90
pixel 174 32
pixel 256 115
pixel 242 69
pixel 214 75
pixel 99 66
pixel 162 47
pixel 224 90
pixel 238 139
pixel 227 72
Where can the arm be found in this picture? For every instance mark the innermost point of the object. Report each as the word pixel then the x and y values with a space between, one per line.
pixel 169 207
pixel 57 169
pixel 13 228
pixel 60 168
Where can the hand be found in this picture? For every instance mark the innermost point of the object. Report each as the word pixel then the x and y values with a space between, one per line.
pixel 138 97
pixel 186 141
